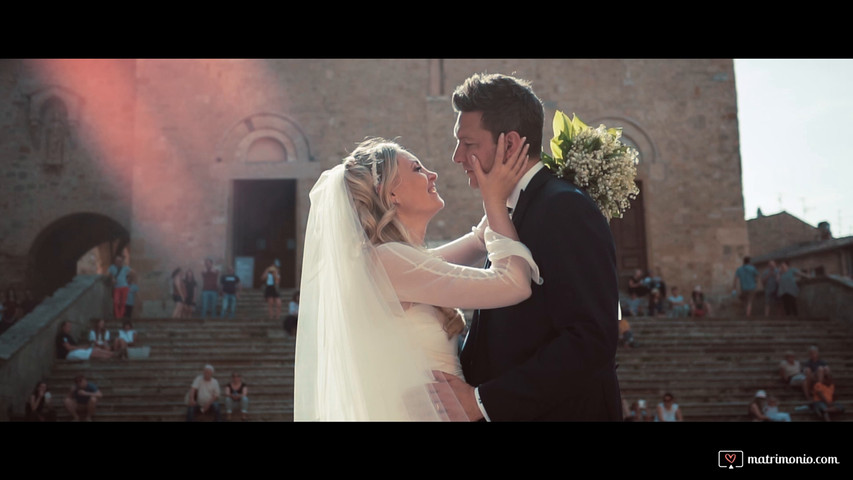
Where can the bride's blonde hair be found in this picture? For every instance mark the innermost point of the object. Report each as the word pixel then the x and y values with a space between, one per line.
pixel 371 173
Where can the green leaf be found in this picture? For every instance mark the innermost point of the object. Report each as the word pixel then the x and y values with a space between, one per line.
pixel 555 149
pixel 577 126
pixel 561 123
pixel 561 127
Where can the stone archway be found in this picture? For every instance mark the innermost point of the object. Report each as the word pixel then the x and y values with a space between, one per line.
pixel 53 256
pixel 629 237
pixel 267 158
pixel 629 232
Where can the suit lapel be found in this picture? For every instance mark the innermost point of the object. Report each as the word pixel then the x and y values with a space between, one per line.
pixel 536 183
pixel 528 193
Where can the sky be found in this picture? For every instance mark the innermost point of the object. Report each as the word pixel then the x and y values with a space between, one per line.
pixel 795 118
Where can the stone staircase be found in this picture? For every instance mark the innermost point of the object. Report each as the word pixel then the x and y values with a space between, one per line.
pixel 714 366
pixel 153 389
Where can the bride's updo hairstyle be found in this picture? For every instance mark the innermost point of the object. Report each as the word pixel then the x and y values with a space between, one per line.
pixel 371 170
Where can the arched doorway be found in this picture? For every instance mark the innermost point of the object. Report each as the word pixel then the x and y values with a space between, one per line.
pixel 54 254
pixel 268 158
pixel 264 230
pixel 629 232
pixel 629 236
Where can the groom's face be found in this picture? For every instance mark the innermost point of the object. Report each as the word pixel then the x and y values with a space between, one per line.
pixel 473 140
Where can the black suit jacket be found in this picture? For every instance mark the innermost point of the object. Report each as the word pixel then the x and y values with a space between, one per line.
pixel 552 357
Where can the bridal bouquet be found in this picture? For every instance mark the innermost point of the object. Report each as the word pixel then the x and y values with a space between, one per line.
pixel 596 160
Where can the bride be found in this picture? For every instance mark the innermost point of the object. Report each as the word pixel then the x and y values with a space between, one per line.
pixel 378 309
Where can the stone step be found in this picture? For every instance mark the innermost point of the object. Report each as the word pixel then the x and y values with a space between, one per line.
pixel 736 380
pixel 842 370
pixel 265 404
pixel 185 377
pixel 144 364
pixel 769 363
pixel 116 391
pixel 737 411
pixel 153 389
pixel 796 342
pixel 800 345
pixel 192 357
pixel 696 350
pixel 712 366
pixel 178 414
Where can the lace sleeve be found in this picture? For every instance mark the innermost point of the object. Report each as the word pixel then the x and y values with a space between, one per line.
pixel 469 249
pixel 420 276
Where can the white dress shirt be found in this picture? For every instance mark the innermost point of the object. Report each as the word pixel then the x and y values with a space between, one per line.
pixel 512 200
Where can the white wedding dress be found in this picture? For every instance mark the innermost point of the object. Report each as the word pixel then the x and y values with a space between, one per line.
pixel 440 277
pixel 369 331
pixel 440 349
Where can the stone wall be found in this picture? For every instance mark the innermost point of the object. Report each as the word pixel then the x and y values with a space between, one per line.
pixel 828 296
pixel 826 262
pixel 682 115
pixel 65 131
pixel 193 124
pixel 772 232
pixel 28 348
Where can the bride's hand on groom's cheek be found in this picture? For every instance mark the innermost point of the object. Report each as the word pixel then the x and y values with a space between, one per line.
pixel 507 169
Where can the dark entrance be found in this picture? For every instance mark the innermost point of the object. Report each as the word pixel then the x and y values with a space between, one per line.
pixel 264 223
pixel 629 234
pixel 55 252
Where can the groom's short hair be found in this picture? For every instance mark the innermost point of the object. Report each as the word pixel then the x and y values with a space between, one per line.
pixel 507 104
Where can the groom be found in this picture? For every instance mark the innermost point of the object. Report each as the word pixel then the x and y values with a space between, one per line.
pixel 551 357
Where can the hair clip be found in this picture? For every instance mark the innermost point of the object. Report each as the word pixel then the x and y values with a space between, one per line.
pixel 375 174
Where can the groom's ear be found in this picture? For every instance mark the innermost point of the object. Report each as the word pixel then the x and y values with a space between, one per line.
pixel 513 142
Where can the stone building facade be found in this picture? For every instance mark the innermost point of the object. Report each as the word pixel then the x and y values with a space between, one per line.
pixel 173 161
pixel 768 233
pixel 65 185
pixel 813 250
pixel 831 257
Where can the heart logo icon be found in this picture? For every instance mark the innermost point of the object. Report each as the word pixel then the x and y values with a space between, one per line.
pixel 730 457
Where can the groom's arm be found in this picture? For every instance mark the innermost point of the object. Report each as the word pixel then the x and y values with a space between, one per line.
pixel 573 244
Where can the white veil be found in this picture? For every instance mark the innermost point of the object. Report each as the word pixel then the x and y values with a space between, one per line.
pixel 355 358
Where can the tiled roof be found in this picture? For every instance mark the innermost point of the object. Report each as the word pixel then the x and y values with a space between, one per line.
pixel 807 249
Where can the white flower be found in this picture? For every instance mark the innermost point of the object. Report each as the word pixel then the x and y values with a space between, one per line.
pixel 595 160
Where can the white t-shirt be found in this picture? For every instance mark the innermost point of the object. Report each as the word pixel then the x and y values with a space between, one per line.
pixel 98 338
pixel 127 335
pixel 207 389
pixel 790 370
